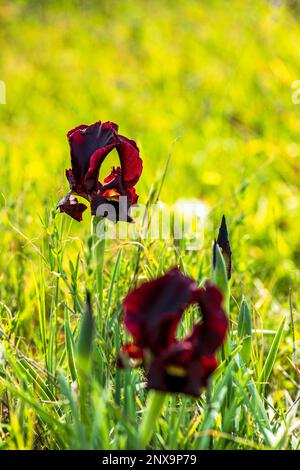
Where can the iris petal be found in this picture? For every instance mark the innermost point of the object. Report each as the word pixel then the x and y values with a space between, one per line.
pixel 72 207
pixel 131 163
pixel 180 370
pixel 153 310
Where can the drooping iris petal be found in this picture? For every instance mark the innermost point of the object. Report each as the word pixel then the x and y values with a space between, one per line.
pixel 72 207
pixel 180 369
pixel 153 310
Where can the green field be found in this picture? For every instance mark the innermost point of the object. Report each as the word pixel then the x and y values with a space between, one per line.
pixel 217 79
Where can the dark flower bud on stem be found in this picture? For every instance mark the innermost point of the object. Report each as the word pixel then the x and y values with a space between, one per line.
pixel 223 242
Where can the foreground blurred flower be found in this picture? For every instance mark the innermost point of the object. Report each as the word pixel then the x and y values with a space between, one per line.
pixel 152 314
pixel 89 147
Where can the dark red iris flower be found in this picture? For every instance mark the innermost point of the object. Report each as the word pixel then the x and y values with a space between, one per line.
pixel 89 146
pixel 152 313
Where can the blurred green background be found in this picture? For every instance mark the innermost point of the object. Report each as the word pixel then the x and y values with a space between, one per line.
pixel 216 74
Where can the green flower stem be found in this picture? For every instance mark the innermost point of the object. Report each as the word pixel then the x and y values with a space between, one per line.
pixel 154 406
pixel 98 250
pixel 219 277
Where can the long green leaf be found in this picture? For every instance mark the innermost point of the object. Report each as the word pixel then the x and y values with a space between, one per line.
pixel 270 361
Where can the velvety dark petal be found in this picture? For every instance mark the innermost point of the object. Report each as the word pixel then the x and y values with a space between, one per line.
pixel 223 242
pixel 131 163
pixel 72 207
pixel 85 140
pixel 208 336
pixel 77 187
pixel 71 179
pixel 81 127
pixel 111 125
pixel 129 351
pixel 179 370
pixel 92 174
pixel 153 310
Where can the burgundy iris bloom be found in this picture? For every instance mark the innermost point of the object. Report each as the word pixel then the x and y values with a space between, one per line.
pixel 152 314
pixel 89 146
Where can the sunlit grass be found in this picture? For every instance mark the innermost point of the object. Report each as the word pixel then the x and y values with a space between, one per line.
pixel 219 80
